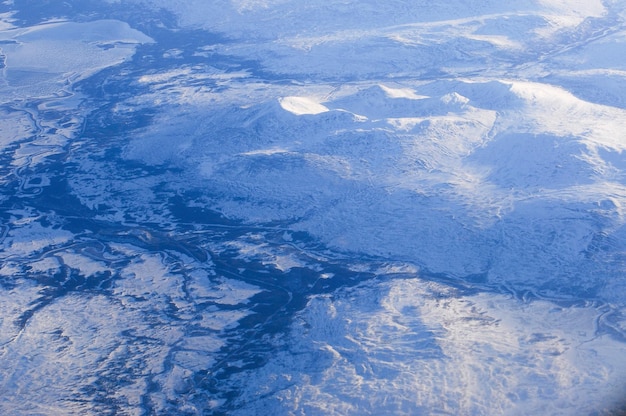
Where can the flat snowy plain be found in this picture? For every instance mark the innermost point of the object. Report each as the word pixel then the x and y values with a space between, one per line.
pixel 321 207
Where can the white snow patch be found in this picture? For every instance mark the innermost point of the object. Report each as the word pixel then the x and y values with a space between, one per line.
pixel 30 237
pixel 14 126
pixel 49 264
pixel 7 21
pixel 302 105
pixel 503 42
pixel 222 290
pixel 408 93
pixel 86 266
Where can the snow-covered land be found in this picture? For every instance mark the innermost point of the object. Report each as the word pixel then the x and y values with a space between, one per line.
pixel 321 207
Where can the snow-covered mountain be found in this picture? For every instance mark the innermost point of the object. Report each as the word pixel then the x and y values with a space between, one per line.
pixel 525 176
pixel 321 207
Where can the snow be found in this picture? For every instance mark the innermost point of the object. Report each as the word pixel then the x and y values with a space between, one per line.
pixel 7 20
pixel 467 157
pixel 440 158
pixel 64 346
pixel 394 38
pixel 14 127
pixel 320 16
pixel 410 346
pixel 225 291
pixel 302 105
pixel 483 143
pixel 40 59
pixel 29 236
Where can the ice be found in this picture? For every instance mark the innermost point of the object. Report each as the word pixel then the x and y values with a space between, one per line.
pixel 41 58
